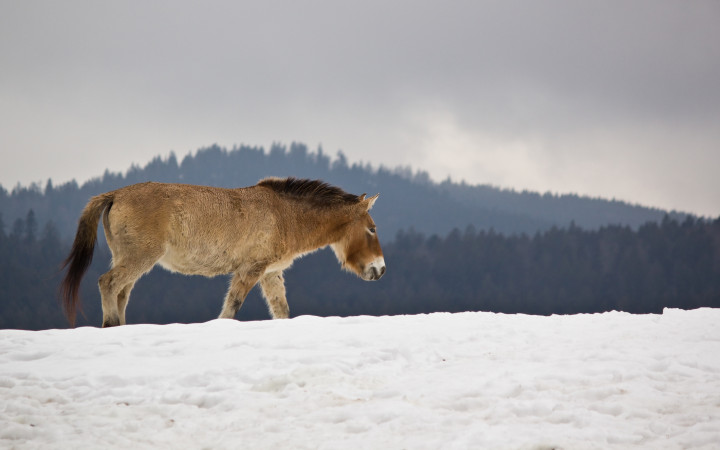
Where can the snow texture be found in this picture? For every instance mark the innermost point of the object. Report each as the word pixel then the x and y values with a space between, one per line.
pixel 450 381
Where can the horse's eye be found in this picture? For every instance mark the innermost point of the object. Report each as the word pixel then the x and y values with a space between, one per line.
pixel 371 230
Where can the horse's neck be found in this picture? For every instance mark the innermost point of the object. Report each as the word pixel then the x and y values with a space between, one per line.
pixel 318 227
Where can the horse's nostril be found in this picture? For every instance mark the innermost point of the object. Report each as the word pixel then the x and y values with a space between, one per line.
pixel 378 272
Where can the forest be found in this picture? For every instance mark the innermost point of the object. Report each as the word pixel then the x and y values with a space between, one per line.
pixel 449 246
pixel 407 198
pixel 559 271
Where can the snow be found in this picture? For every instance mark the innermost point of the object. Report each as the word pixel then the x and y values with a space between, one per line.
pixel 455 381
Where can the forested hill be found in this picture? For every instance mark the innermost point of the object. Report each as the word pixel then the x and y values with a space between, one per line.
pixel 407 199
pixel 560 271
pixel 536 260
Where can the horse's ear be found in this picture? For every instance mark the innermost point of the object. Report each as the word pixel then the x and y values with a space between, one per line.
pixel 362 197
pixel 371 201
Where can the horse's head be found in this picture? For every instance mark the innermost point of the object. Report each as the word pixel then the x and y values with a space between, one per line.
pixel 359 250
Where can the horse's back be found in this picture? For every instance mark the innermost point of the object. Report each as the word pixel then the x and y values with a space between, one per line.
pixel 158 208
pixel 194 229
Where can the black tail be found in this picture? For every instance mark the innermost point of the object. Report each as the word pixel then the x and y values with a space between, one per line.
pixel 81 254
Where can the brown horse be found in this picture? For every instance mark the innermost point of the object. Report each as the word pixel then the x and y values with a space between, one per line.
pixel 253 233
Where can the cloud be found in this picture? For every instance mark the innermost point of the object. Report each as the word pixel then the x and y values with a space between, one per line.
pixel 602 98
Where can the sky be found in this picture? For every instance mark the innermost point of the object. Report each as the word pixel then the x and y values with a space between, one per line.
pixel 610 99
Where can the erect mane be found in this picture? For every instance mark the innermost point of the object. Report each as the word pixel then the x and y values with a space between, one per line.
pixel 315 191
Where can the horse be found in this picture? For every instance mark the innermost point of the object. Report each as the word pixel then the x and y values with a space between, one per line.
pixel 253 233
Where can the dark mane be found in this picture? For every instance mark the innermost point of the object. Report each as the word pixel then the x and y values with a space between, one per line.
pixel 316 191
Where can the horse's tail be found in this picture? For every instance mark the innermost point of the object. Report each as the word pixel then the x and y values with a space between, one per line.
pixel 81 254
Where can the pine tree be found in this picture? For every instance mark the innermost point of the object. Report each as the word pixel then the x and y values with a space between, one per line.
pixel 30 227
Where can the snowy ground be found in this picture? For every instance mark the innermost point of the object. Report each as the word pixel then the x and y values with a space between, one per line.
pixel 471 380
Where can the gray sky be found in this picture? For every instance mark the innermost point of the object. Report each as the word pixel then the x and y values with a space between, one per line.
pixel 614 99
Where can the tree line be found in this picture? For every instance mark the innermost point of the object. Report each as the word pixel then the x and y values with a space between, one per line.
pixel 558 271
pixel 407 198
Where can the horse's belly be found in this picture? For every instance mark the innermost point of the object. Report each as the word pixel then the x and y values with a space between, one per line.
pixel 207 264
pixel 280 265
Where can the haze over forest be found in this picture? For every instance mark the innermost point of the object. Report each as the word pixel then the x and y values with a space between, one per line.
pixel 409 198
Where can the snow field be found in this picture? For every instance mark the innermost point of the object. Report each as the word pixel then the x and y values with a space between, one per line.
pixel 455 381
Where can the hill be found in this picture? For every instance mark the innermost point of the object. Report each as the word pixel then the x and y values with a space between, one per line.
pixel 560 271
pixel 407 199
pixel 471 380
pixel 441 243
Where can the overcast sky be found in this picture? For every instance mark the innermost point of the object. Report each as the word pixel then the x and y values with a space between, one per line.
pixel 616 99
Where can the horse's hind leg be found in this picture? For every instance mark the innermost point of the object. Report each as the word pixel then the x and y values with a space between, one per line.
pixel 273 289
pixel 108 284
pixel 122 302
pixel 115 287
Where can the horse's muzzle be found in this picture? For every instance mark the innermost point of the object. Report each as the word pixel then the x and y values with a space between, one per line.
pixel 375 270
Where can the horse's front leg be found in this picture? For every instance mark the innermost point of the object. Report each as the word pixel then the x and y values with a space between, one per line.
pixel 273 289
pixel 240 285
